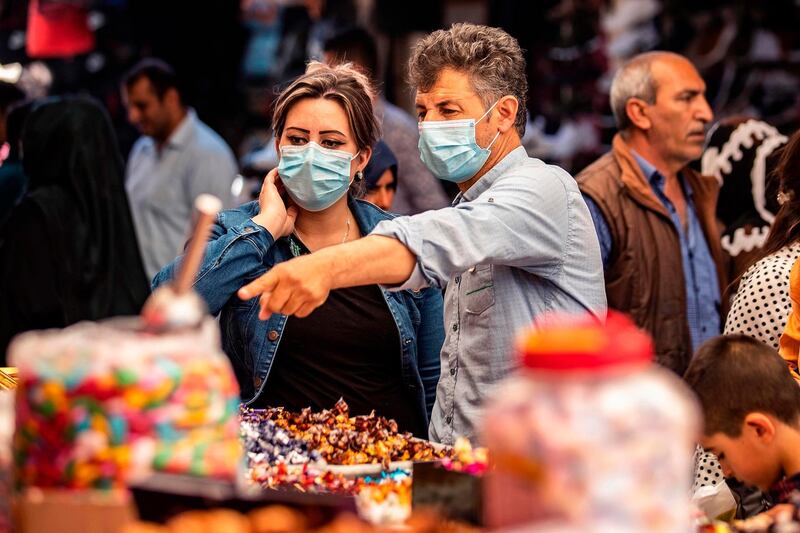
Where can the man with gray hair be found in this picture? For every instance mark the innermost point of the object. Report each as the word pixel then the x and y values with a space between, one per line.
pixel 516 244
pixel 654 216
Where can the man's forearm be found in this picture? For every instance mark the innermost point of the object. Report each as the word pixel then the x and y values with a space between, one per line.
pixel 375 259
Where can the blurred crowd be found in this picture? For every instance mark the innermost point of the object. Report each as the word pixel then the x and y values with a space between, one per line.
pixel 232 55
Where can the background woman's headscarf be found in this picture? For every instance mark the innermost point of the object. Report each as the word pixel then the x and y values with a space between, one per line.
pixel 382 159
pixel 75 172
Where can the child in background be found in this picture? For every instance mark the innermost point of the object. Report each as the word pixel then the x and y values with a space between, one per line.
pixel 751 406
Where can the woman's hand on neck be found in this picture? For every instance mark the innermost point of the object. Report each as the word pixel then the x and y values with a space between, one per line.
pixel 320 229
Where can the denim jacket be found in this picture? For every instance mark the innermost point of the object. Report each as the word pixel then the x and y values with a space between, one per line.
pixel 239 250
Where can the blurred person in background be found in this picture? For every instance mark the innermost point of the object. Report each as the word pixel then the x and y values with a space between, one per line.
pixel 655 217
pixel 177 158
pixel 13 181
pixel 418 190
pixel 68 251
pixel 380 177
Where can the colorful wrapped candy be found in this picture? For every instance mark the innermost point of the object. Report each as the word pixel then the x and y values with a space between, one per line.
pixel 466 459
pixel 101 403
pixel 344 440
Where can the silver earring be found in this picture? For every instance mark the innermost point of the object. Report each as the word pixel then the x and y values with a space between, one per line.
pixel 359 175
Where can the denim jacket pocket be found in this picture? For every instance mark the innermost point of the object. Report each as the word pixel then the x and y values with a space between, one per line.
pixel 478 286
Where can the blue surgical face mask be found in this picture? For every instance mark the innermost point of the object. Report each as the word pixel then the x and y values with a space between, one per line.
pixel 449 149
pixel 315 177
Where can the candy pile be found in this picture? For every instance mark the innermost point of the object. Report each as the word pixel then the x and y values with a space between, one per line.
pixel 267 444
pixel 344 440
pixel 99 404
pixel 466 459
pixel 277 460
pixel 305 478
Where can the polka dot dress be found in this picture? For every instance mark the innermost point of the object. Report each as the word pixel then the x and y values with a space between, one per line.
pixel 706 469
pixel 761 306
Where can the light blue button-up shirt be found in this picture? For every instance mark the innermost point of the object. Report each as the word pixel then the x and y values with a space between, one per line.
pixel 162 185
pixel 516 246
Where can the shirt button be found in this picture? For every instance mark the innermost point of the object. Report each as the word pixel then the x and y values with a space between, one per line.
pixel 272 335
pixel 257 381
pixel 455 327
pixel 449 419
pixel 452 371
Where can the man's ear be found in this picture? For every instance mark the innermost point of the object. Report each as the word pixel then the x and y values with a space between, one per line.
pixel 759 425
pixel 172 98
pixel 507 108
pixel 637 111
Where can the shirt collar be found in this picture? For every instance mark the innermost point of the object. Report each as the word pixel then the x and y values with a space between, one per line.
pixel 185 130
pixel 781 491
pixel 655 177
pixel 511 159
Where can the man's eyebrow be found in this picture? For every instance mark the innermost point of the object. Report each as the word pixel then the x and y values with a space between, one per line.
pixel 440 103
pixel 446 102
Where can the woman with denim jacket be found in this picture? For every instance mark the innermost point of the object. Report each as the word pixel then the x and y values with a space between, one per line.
pixel 375 348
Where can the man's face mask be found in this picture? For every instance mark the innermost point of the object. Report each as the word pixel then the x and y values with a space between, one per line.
pixel 315 177
pixel 449 149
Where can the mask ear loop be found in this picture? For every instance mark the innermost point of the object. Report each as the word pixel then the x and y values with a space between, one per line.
pixel 359 175
pixel 493 140
pixel 488 111
pixel 484 116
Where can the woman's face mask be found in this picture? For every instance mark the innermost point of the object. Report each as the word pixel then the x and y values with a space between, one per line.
pixel 449 149
pixel 315 177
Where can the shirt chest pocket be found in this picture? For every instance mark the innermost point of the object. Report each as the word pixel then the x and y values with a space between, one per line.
pixel 478 289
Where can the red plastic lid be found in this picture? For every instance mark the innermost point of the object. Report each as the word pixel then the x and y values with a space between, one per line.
pixel 583 343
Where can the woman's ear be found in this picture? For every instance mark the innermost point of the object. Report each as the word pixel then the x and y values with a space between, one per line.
pixel 363 157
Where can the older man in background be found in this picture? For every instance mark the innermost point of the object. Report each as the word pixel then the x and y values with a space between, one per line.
pixel 655 216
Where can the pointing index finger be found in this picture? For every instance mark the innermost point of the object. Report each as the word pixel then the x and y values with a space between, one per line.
pixel 259 285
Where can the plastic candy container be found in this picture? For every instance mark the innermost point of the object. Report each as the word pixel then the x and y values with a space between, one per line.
pixel 590 435
pixel 101 403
